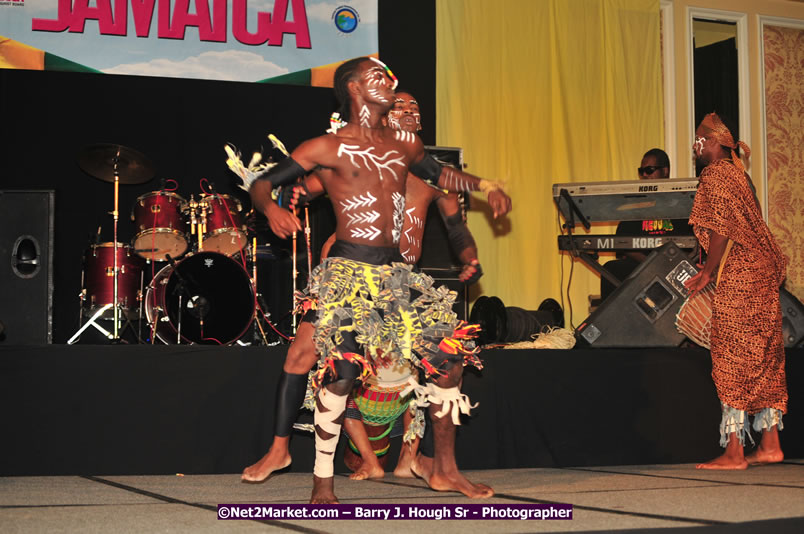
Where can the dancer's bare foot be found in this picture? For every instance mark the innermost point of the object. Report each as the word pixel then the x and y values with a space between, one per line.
pixel 422 467
pixel 323 491
pixel 769 450
pixel 277 457
pixel 457 482
pixel 725 461
pixel 368 469
pixel 762 457
pixel 403 465
pixel 731 459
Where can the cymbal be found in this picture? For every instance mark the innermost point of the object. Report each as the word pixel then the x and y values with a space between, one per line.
pixel 101 160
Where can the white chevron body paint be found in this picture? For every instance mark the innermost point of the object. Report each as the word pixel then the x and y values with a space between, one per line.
pixel 413 218
pixel 360 201
pixel 369 233
pixel 364 217
pixel 365 114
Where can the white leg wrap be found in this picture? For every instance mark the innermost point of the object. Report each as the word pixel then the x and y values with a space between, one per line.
pixel 327 431
pixel 419 392
pixel 452 401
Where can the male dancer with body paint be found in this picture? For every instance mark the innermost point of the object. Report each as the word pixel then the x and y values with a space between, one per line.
pixel 404 116
pixel 301 356
pixel 368 164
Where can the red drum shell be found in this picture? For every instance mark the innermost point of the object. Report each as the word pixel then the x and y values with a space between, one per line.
pixel 225 232
pixel 160 225
pixel 99 276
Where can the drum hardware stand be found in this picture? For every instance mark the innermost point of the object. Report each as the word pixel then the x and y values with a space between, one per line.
pixel 198 219
pixel 140 308
pixel 106 162
pixel 116 216
pixel 82 297
pixel 257 296
pixel 92 322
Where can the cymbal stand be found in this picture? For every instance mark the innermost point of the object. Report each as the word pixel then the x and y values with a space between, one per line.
pixel 116 216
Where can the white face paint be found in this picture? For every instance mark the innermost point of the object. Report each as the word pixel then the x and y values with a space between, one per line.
pixel 698 145
pixel 404 114
pixel 382 163
pixel 399 215
pixel 376 79
pixel 387 71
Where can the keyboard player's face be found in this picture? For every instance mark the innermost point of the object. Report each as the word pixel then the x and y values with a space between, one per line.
pixel 650 169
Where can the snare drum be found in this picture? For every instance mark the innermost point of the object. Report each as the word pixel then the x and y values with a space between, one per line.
pixel 694 318
pixel 206 298
pixel 160 225
pixel 225 231
pixel 99 276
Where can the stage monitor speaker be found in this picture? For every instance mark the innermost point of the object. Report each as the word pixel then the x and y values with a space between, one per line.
pixel 792 319
pixel 26 267
pixel 642 311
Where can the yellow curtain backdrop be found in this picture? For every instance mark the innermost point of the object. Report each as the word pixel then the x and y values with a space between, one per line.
pixel 539 92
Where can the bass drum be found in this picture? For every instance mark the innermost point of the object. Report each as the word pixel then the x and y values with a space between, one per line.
pixel 207 298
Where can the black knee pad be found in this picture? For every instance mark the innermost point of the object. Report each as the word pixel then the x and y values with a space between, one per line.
pixel 289 398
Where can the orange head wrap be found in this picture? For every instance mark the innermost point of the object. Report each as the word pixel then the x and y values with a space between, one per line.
pixel 715 129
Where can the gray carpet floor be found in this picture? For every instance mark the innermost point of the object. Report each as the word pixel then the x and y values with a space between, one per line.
pixel 664 498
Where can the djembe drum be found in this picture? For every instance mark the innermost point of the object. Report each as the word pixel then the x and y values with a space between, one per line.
pixel 694 318
pixel 381 404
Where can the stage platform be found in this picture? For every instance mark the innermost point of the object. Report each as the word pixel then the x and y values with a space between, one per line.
pixel 161 410
pixel 664 499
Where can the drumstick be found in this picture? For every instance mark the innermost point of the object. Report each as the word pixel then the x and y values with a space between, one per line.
pixel 309 248
pixel 294 273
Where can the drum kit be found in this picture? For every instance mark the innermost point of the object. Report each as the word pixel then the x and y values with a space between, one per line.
pixel 203 295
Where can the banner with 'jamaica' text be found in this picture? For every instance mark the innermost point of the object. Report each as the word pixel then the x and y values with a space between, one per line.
pixel 286 41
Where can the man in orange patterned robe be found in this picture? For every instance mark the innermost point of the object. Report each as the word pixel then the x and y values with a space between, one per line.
pixel 746 338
